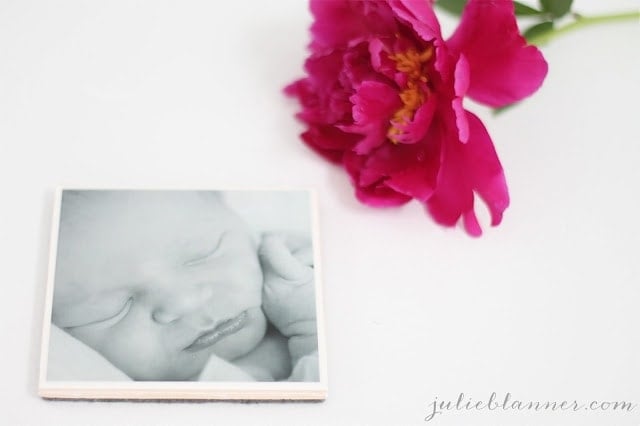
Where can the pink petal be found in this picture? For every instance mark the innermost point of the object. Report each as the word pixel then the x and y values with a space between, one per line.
pixel 319 108
pixel 415 182
pixel 381 196
pixel 471 225
pixel 374 102
pixel 466 168
pixel 341 23
pixel 502 67
pixel 336 24
pixel 380 61
pixel 485 169
pixel 373 105
pixel 415 130
pixel 357 67
pixel 323 70
pixel 461 85
pixel 420 15
pixel 376 193
pixel 322 98
pixel 453 194
pixel 408 169
pixel 329 141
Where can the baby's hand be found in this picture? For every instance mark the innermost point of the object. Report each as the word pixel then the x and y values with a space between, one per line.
pixel 288 293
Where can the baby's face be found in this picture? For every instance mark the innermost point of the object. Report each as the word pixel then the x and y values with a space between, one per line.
pixel 157 282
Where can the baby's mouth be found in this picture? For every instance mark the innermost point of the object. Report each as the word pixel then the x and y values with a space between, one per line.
pixel 220 331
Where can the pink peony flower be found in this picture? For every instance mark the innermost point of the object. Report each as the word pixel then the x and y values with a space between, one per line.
pixel 384 98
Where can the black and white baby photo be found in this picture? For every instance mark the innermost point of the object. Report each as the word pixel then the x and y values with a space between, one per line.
pixel 155 285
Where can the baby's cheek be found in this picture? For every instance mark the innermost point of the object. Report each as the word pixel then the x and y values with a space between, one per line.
pixel 242 257
pixel 131 348
pixel 119 346
pixel 245 340
pixel 243 281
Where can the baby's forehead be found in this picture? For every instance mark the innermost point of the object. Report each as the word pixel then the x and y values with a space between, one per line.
pixel 136 223
pixel 129 211
pixel 96 204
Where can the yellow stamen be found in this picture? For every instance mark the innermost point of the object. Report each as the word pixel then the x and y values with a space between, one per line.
pixel 411 63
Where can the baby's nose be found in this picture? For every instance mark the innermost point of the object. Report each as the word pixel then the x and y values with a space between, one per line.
pixel 187 302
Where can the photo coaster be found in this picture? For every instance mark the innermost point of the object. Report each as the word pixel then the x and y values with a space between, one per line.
pixel 184 294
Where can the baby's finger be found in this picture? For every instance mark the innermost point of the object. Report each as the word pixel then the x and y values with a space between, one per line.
pixel 304 255
pixel 276 256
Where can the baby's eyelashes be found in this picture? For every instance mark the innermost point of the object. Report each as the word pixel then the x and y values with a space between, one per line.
pixel 108 321
pixel 206 256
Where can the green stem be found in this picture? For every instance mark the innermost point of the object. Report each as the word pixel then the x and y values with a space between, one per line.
pixel 581 22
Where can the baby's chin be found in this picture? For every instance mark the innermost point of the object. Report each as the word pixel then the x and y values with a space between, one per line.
pixel 244 340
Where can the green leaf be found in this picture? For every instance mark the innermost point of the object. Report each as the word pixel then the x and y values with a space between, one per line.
pixel 498 111
pixel 456 7
pixel 452 6
pixel 538 31
pixel 524 10
pixel 556 8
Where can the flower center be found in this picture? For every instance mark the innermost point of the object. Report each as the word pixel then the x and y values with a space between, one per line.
pixel 411 63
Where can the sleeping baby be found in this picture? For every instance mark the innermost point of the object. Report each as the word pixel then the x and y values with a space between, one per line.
pixel 171 285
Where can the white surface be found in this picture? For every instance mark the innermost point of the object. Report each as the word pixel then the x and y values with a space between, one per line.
pixel 181 94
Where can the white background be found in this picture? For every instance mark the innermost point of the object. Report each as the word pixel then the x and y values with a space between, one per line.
pixel 186 93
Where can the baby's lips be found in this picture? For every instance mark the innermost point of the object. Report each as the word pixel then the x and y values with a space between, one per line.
pixel 276 257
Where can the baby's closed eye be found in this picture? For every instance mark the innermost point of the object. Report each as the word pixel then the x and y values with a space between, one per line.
pixel 107 319
pixel 203 257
